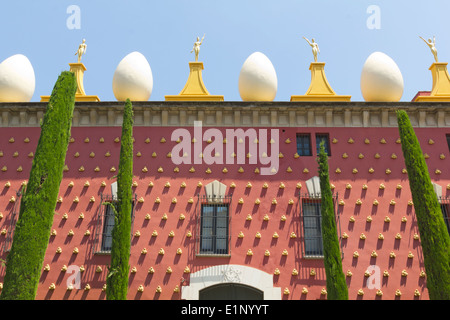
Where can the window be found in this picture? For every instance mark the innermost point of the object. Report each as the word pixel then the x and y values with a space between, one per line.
pixel 108 226
pixel 446 213
pixel 105 224
pixel 214 229
pixel 304 144
pixel 323 137
pixel 12 224
pixel 311 222
pixel 312 229
pixel 448 141
pixel 445 208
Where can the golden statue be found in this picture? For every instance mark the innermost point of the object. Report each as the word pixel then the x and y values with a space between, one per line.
pixel 81 50
pixel 78 69
pixel 315 48
pixel 196 48
pixel 432 45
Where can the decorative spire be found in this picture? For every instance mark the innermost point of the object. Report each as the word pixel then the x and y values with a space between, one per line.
pixel 195 89
pixel 79 69
pixel 441 84
pixel 319 89
pixel 441 79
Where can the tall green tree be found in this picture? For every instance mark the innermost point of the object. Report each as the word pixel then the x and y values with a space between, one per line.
pixel 434 236
pixel 335 278
pixel 33 227
pixel 117 279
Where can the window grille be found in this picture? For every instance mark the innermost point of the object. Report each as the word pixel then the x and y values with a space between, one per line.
pixel 212 232
pixel 12 224
pixel 311 224
pixel 105 224
pixel 304 144
pixel 323 137
pixel 448 141
pixel 445 208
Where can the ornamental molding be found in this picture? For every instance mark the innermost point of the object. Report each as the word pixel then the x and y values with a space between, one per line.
pixel 232 275
pixel 313 187
pixel 241 114
pixel 215 191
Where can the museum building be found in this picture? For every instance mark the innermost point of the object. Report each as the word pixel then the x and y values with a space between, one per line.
pixel 226 193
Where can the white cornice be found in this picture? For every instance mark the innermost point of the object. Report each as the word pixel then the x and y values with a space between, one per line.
pixel 232 114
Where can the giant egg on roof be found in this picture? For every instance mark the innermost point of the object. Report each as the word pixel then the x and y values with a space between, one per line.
pixel 258 79
pixel 133 78
pixel 381 79
pixel 17 79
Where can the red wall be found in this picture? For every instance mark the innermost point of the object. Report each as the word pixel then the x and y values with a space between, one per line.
pixel 239 247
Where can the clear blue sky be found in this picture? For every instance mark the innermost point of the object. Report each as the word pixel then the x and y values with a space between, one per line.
pixel 165 30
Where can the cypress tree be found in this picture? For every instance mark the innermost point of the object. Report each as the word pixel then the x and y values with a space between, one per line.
pixel 335 278
pixel 434 236
pixel 33 227
pixel 117 279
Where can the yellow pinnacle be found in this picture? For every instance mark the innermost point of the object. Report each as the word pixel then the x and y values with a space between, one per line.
pixel 80 95
pixel 195 89
pixel 441 84
pixel 319 89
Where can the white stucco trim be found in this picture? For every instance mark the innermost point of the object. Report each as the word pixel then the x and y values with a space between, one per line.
pixel 230 273
pixel 437 189
pixel 215 191
pixel 114 190
pixel 313 186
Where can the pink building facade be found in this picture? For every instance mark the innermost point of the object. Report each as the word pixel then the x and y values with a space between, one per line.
pixel 226 229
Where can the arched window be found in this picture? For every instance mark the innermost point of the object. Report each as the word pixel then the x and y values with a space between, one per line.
pixel 230 291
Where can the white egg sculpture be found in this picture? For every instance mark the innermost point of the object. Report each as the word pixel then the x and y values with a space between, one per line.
pixel 381 79
pixel 258 79
pixel 17 79
pixel 133 78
